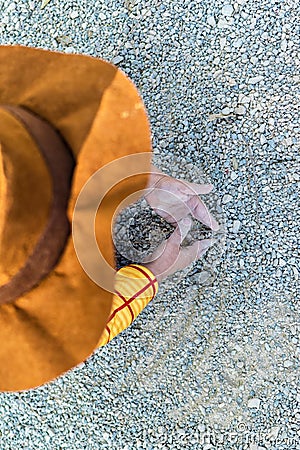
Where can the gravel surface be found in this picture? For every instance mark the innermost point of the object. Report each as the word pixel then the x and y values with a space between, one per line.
pixel 213 361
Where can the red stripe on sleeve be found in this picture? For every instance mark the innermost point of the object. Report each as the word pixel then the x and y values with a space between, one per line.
pixel 147 276
pixel 129 307
pixel 108 330
pixel 129 300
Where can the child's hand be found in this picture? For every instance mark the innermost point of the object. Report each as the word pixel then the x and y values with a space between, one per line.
pixel 175 199
pixel 170 257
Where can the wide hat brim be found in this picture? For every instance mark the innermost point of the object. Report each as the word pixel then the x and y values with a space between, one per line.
pixel 100 115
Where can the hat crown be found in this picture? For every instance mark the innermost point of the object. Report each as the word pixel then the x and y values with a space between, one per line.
pixel 35 176
pixel 25 195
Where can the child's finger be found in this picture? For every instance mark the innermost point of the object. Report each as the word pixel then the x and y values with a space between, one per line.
pixel 193 252
pixel 184 226
pixel 170 247
pixel 200 212
pixel 195 188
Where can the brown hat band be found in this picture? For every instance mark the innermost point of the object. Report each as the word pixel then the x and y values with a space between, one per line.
pixel 50 246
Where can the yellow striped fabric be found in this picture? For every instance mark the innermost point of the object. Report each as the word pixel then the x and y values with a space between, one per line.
pixel 135 287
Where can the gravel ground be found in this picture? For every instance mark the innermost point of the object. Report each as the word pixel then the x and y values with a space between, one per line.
pixel 213 361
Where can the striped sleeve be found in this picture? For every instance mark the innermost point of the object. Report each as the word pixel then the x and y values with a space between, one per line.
pixel 135 287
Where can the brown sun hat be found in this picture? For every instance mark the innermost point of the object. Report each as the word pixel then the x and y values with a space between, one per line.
pixel 62 117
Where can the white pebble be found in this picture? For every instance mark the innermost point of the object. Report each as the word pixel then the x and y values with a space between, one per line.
pixel 296 273
pixel 271 121
pixel 211 21
pixel 240 110
pixel 208 447
pixel 227 10
pixel 222 23
pixel 254 403
pixel 227 198
pixel 235 163
pixel 255 80
pixel 203 276
pixel 263 139
pixel 244 99
pixel 283 45
pixel 262 128
pixel 238 43
pixel 74 14
pixel 11 7
pixel 201 427
pixel 117 59
pixel 231 81
pixel 225 111
pixel 70 50
pixel 236 226
pixel 222 42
